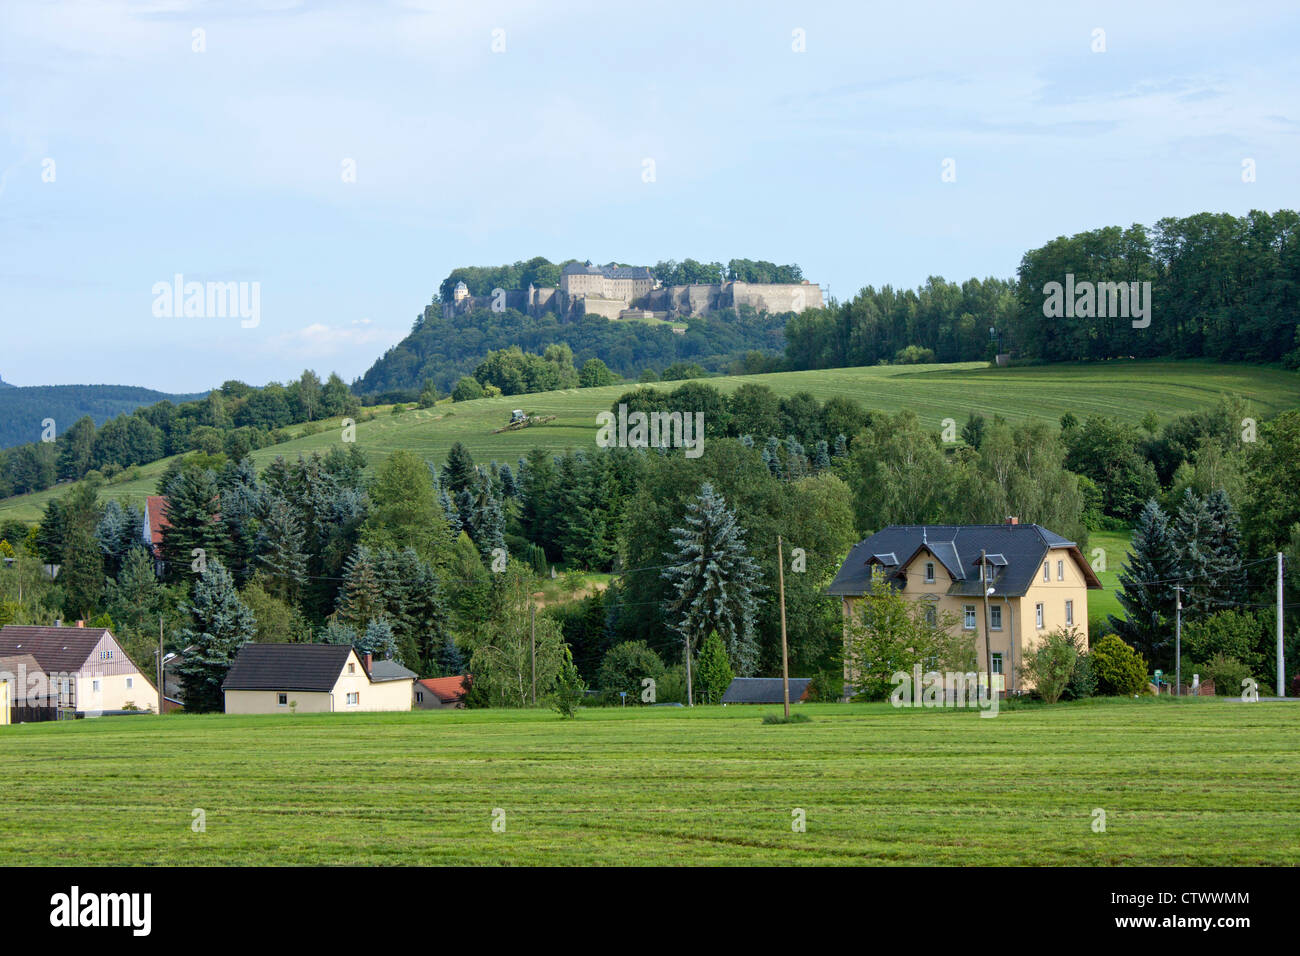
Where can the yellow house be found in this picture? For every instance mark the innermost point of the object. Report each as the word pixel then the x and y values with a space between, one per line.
pixel 1031 581
pixel 313 678
pixel 84 669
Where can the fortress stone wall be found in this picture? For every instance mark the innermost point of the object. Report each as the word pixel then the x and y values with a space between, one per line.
pixel 610 291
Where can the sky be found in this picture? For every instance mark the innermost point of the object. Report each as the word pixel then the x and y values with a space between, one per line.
pixel 344 157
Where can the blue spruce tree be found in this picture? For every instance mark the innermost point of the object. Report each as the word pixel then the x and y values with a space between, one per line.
pixel 715 581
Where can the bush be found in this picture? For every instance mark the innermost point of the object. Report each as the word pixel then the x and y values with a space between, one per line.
pixel 827 687
pixel 1228 634
pixel 1051 664
pixel 1227 674
pixel 569 687
pixel 1083 682
pixel 467 389
pixel 1120 670
pixel 624 667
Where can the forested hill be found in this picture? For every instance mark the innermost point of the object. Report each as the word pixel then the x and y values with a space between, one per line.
pixel 24 408
pixel 444 349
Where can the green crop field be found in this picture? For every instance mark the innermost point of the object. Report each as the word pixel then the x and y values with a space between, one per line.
pixel 1127 390
pixel 1188 782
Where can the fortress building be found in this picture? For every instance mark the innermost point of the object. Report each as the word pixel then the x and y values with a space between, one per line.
pixel 633 292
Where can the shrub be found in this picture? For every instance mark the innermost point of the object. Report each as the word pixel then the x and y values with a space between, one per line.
pixel 1227 674
pixel 467 389
pixel 1120 670
pixel 1228 634
pixel 569 687
pixel 623 668
pixel 781 718
pixel 827 687
pixel 1051 664
pixel 1083 682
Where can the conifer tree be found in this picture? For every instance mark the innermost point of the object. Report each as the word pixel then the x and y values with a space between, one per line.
pixel 361 598
pixel 821 456
pixel 192 505
pixel 82 573
pixel 219 624
pixel 459 471
pixel 715 580
pixel 714 670
pixel 450 660
pixel 1147 586
pixel 280 552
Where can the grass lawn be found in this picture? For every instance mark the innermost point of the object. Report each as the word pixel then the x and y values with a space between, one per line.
pixel 1126 390
pixel 1192 782
pixel 1114 547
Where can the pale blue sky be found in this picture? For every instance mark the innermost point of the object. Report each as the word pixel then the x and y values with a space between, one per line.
pixel 226 164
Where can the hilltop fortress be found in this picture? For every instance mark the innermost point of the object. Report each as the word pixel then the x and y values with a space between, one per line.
pixel 621 292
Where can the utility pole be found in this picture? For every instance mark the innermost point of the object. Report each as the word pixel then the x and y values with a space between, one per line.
pixel 1281 664
pixel 532 639
pixel 988 645
pixel 161 692
pixel 785 654
pixel 690 697
pixel 1178 639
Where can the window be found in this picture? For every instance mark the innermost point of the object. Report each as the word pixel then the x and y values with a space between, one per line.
pixel 995 615
pixel 105 655
pixel 419 697
pixel 1069 613
pixel 352 668
pixel 997 663
pixel 354 698
pixel 1060 570
pixel 94 685
pixel 931 617
pixel 970 616
pixel 282 700
pixel 1038 616
pixel 1047 572
pixel 130 682
pixel 929 572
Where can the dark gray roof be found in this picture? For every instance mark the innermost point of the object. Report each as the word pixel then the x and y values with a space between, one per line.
pixel 763 690
pixel 609 272
pixel 390 670
pixel 1014 551
pixel 300 667
pixel 57 649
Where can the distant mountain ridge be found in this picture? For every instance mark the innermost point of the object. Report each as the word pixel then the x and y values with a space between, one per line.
pixel 24 407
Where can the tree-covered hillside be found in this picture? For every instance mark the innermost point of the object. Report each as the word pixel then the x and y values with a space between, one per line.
pixel 23 409
pixel 444 349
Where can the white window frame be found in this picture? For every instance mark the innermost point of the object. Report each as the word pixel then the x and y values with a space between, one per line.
pixel 968 622
pixel 931 615
pixel 94 686
pixel 995 617
pixel 1038 615
pixel 1060 570
pixel 929 572
pixel 997 662
pixel 130 682
pixel 282 700
pixel 354 698
pixel 1047 571
pixel 1069 613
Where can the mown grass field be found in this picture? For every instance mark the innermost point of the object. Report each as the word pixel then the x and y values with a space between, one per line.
pixel 1126 390
pixel 1193 782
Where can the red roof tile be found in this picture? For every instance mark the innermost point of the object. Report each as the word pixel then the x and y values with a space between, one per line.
pixel 446 689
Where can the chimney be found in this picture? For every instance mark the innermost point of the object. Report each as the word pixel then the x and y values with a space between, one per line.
pixel 367 665
pixel 58 622
pixel 1012 519
pixel 81 624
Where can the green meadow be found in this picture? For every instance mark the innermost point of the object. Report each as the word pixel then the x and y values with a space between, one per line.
pixel 1192 782
pixel 1126 390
